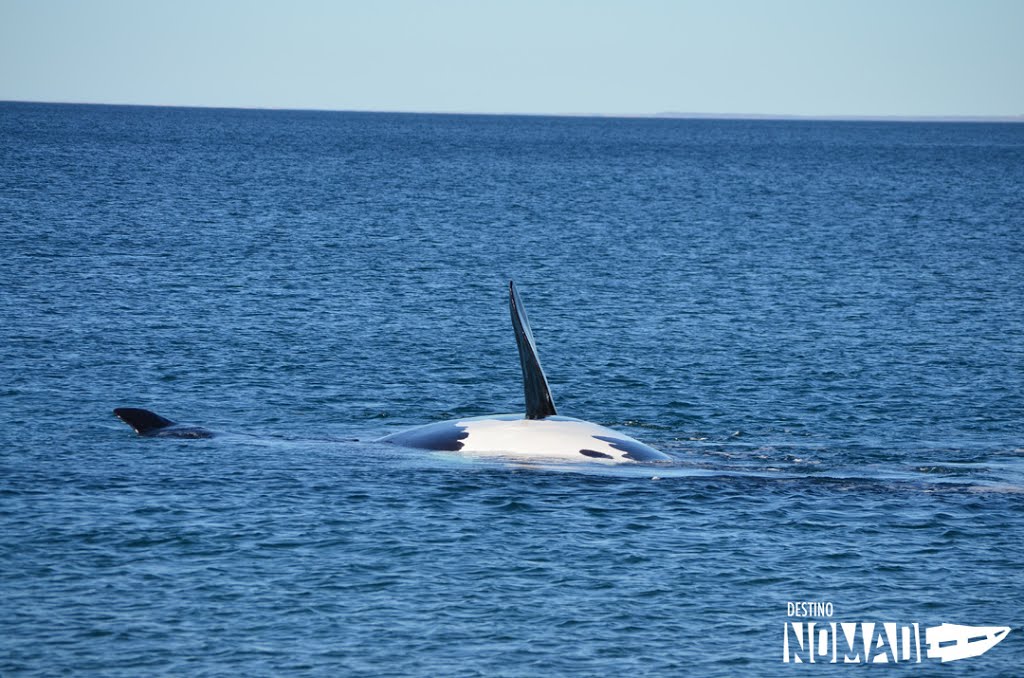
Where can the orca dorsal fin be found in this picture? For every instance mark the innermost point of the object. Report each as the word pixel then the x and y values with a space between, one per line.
pixel 143 421
pixel 535 385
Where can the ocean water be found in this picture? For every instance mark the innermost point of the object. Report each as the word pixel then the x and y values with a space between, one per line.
pixel 821 322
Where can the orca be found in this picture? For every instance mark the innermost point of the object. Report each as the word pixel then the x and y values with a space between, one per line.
pixel 152 425
pixel 538 434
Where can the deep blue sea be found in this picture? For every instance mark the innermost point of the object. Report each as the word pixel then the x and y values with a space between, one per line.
pixel 821 322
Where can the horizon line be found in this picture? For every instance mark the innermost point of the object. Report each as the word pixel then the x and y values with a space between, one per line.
pixel 661 115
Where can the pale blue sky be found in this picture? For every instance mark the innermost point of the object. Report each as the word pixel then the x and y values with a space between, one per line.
pixel 806 57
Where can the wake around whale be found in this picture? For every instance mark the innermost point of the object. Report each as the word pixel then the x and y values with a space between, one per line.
pixel 538 434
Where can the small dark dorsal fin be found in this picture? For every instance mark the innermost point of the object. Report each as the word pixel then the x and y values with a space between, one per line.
pixel 538 396
pixel 143 421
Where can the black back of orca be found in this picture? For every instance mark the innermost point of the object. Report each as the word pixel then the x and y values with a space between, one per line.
pixel 148 423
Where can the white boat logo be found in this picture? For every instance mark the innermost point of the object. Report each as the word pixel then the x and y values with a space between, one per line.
pixel 950 642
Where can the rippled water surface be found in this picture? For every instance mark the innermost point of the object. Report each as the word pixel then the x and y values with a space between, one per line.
pixel 823 324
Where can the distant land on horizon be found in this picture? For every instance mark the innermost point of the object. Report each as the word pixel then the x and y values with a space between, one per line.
pixel 870 118
pixel 679 115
